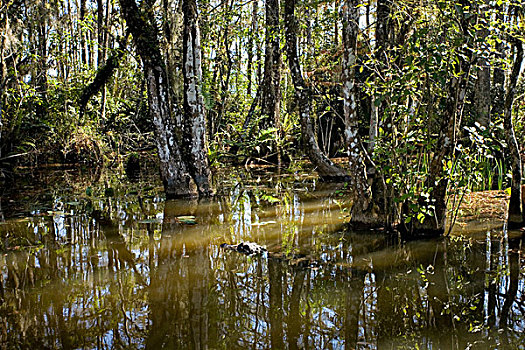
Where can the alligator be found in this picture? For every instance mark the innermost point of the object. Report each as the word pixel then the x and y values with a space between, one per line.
pixel 248 248
pixel 254 249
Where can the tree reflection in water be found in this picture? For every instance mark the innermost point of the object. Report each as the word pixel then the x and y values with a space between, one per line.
pixel 126 273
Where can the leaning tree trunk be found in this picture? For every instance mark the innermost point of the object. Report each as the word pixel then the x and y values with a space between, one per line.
pixel 327 169
pixel 515 218
pixel 174 173
pixel 194 119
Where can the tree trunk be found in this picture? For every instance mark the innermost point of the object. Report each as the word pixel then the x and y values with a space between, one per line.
pixel 498 86
pixel 382 43
pixel 104 73
pixel 482 90
pixel 194 117
pixel 3 74
pixel 83 49
pixel 105 44
pixel 364 212
pixel 100 32
pixel 325 167
pixel 515 218
pixel 249 69
pixel 41 80
pixel 271 94
pixel 174 172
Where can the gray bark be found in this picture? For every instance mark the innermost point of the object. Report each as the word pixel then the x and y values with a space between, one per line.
pixel 325 167
pixel 194 113
pixel 365 212
pixel 174 172
pixel 382 43
pixel 482 98
pixel 498 86
pixel 515 217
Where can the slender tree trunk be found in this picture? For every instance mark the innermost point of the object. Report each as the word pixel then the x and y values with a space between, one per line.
pixel 105 44
pixel 224 72
pixel 194 113
pixel 83 49
pixel 336 25
pixel 174 172
pixel 382 43
pixel 515 218
pixel 41 108
pixel 249 69
pixel 100 32
pixel 271 94
pixel 3 74
pixel 498 86
pixel 325 167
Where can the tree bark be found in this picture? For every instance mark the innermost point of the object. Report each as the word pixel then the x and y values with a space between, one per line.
pixel 104 73
pixel 194 113
pixel 3 72
pixel 271 94
pixel 382 43
pixel 498 86
pixel 359 180
pixel 515 217
pixel 41 79
pixel 100 32
pixel 327 169
pixel 249 68
pixel 482 90
pixel 365 213
pixel 174 172
pixel 83 49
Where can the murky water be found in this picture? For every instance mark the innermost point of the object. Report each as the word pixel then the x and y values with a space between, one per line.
pixel 95 262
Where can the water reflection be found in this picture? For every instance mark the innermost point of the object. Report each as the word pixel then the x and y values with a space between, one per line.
pixel 126 272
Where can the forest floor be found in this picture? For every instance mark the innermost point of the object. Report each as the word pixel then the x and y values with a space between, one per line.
pixel 482 211
pixel 484 205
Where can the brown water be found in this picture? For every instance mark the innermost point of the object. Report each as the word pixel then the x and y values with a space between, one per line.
pixel 122 268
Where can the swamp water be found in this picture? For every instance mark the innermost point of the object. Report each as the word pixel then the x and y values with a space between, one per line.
pixel 95 262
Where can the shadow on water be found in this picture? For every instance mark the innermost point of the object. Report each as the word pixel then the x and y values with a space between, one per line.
pixel 125 269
